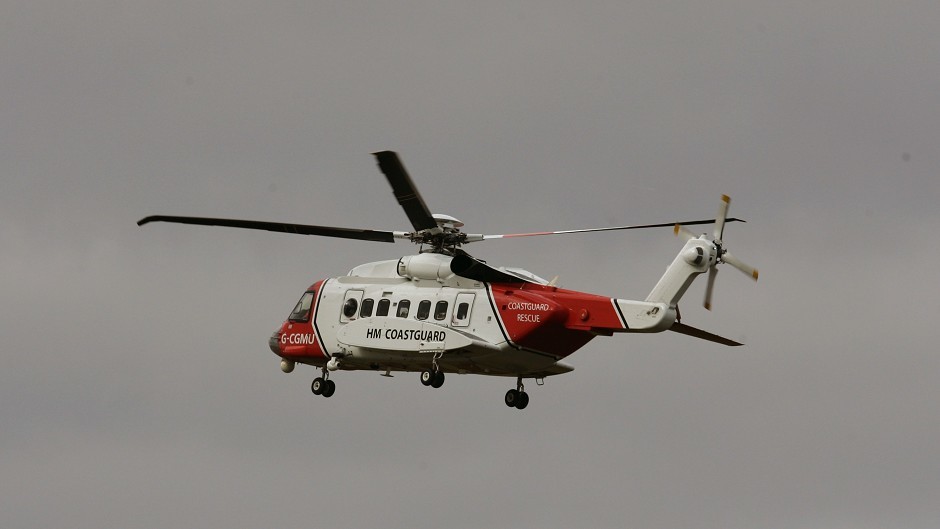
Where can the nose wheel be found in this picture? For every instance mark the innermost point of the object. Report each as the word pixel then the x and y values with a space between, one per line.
pixel 517 398
pixel 323 385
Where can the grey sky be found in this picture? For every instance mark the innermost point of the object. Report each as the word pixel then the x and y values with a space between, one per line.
pixel 137 389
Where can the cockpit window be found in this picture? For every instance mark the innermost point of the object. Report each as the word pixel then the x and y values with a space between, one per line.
pixel 301 312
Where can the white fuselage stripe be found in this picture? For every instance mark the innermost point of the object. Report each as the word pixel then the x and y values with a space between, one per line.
pixel 499 319
pixel 316 311
pixel 623 321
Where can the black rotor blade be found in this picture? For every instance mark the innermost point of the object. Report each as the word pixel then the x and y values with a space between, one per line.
pixel 472 268
pixel 301 229
pixel 405 191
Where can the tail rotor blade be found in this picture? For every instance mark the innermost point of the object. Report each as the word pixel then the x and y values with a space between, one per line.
pixel 712 275
pixel 740 265
pixel 683 232
pixel 720 219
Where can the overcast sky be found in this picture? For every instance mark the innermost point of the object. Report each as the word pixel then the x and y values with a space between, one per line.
pixel 136 386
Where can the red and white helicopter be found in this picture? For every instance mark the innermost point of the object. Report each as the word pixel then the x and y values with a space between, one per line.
pixel 443 311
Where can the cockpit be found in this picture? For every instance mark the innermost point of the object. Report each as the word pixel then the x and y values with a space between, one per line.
pixel 301 312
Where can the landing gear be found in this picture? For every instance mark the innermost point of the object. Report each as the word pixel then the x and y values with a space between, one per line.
pixel 323 385
pixel 517 398
pixel 433 377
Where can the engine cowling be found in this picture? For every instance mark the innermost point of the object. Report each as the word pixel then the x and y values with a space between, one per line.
pixel 429 266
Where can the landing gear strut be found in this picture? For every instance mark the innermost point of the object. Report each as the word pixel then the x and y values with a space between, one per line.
pixel 434 377
pixel 323 385
pixel 517 398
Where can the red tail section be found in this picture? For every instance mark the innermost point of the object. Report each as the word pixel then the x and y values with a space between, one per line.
pixel 545 318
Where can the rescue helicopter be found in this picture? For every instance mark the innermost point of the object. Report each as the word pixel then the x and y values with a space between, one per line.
pixel 442 311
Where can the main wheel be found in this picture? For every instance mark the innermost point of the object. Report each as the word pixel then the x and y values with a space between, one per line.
pixel 522 401
pixel 427 377
pixel 329 387
pixel 512 397
pixel 438 379
pixel 318 386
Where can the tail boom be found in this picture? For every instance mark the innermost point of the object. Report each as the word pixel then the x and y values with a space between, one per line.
pixel 696 257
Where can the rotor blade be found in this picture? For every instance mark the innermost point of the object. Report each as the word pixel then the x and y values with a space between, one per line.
pixel 612 228
pixel 464 265
pixel 685 233
pixel 727 257
pixel 720 219
pixel 712 275
pixel 405 191
pixel 704 335
pixel 301 229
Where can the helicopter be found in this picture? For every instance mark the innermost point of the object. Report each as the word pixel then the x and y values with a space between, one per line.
pixel 442 311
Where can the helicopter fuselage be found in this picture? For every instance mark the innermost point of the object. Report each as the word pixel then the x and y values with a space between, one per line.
pixel 400 315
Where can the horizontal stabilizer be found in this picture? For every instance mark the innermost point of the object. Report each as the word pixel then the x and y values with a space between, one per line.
pixel 699 333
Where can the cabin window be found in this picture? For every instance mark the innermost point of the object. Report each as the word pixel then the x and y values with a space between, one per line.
pixel 350 307
pixel 366 309
pixel 424 309
pixel 463 307
pixel 403 307
pixel 382 308
pixel 440 310
pixel 301 312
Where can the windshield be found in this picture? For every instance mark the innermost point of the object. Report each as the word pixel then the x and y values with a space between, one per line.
pixel 301 312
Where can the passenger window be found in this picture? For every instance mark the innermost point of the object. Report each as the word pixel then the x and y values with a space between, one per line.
pixel 462 310
pixel 403 307
pixel 350 307
pixel 440 310
pixel 366 309
pixel 424 309
pixel 301 312
pixel 382 308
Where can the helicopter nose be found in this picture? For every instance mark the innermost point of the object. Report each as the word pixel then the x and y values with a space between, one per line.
pixel 274 342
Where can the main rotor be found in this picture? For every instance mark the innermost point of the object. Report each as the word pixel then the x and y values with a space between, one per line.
pixel 435 233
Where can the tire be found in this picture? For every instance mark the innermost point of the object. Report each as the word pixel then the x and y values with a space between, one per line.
pixel 427 378
pixel 317 386
pixel 522 401
pixel 438 380
pixel 512 396
pixel 329 388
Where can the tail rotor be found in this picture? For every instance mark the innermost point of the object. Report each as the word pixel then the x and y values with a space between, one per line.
pixel 721 253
